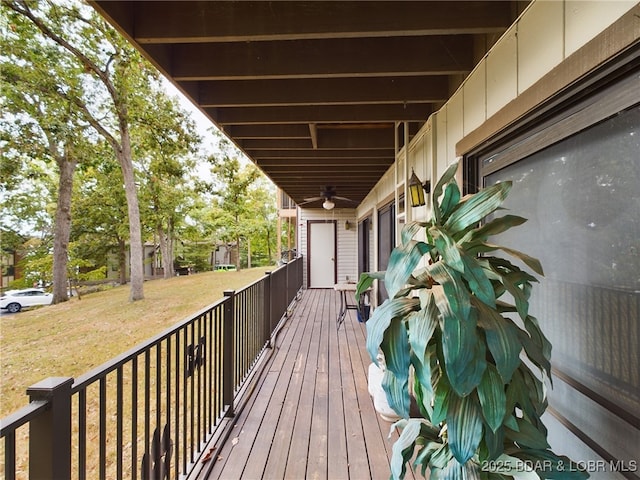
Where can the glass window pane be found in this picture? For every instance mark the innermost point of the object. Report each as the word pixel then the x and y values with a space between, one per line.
pixel 582 199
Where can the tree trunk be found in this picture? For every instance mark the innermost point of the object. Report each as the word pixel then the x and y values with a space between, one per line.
pixel 62 230
pixel 170 250
pixel 122 261
pixel 136 254
pixel 165 252
pixel 248 252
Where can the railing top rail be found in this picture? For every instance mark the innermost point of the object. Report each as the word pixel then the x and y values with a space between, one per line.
pixel 21 417
pixel 111 365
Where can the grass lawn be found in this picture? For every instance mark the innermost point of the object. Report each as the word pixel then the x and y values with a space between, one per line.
pixel 71 338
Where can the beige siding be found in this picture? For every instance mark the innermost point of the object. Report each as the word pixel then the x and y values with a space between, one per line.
pixel 502 78
pixel 543 37
pixel 585 19
pixel 539 42
pixel 474 103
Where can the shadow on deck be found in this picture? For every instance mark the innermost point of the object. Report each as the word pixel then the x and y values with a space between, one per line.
pixel 309 415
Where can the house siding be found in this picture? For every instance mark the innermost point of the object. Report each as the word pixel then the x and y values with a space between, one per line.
pixel 550 46
pixel 347 240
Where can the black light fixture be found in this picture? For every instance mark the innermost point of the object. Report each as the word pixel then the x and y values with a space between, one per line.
pixel 417 190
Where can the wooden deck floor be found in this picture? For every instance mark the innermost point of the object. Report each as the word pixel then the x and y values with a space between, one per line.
pixel 310 415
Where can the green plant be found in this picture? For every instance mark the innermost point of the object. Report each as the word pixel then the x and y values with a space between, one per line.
pixel 473 351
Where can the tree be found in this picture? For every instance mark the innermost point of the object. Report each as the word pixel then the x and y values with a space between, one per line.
pixel 114 71
pixel 39 123
pixel 231 184
pixel 166 148
pixel 262 222
pixel 100 202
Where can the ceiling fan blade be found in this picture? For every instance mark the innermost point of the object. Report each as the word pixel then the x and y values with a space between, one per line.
pixel 312 199
pixel 344 199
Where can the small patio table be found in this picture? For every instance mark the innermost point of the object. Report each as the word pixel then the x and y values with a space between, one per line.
pixel 343 290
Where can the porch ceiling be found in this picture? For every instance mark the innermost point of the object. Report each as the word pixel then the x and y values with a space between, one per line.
pixel 311 90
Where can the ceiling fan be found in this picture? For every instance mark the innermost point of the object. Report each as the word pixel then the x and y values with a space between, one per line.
pixel 328 195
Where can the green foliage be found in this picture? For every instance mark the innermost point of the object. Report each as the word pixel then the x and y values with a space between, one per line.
pixel 459 318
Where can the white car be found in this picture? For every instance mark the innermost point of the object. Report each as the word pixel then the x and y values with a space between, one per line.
pixel 15 300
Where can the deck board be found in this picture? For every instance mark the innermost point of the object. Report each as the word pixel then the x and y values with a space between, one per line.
pixel 310 415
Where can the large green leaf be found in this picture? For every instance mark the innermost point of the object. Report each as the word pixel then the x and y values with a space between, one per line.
pixel 447 248
pixel 494 227
pixel 535 353
pixel 533 263
pixel 421 325
pixel 397 393
pixel 502 340
pixel 493 444
pixel 539 339
pixel 423 459
pixel 450 200
pixel 478 281
pixel 446 177
pixel 402 262
pixel 462 350
pixel 537 394
pixel 365 282
pixel 518 395
pixel 464 427
pixel 395 346
pixel 441 401
pixel 519 286
pixel 452 298
pixel 527 436
pixel 410 229
pixel 492 398
pixel 549 465
pixel 472 209
pixel 402 449
pixel 381 319
pixel 454 471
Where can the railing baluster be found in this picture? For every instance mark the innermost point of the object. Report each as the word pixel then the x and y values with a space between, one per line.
pixel 147 413
pixel 198 370
pixel 134 418
pixel 82 434
pixel 10 456
pixel 184 398
pixel 167 389
pixel 119 420
pixel 177 409
pixel 103 428
pixel 158 430
pixel 228 379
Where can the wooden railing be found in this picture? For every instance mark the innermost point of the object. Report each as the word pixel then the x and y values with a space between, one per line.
pixel 149 412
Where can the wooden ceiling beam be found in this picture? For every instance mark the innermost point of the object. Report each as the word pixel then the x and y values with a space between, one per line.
pixel 320 114
pixel 358 57
pixel 320 91
pixel 287 131
pixel 325 155
pixel 327 139
pixel 295 20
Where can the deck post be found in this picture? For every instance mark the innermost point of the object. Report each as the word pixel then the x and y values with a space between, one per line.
pixel 267 325
pixel 228 353
pixel 50 433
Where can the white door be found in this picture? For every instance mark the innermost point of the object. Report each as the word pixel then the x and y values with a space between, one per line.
pixel 322 254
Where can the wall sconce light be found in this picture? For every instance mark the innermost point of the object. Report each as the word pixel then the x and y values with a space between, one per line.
pixel 417 190
pixel 347 225
pixel 328 204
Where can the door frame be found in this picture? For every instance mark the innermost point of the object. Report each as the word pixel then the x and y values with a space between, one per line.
pixel 335 249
